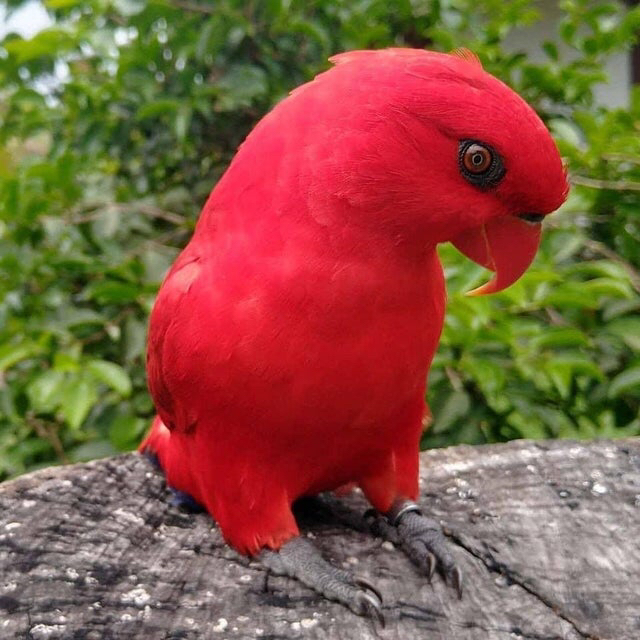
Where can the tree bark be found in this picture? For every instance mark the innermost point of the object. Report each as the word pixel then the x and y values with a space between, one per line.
pixel 546 534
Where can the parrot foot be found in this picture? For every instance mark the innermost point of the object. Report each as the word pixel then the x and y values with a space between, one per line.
pixel 421 539
pixel 152 458
pixel 184 501
pixel 299 559
pixel 178 498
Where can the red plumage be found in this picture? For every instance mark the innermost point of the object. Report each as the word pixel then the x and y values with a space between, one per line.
pixel 290 342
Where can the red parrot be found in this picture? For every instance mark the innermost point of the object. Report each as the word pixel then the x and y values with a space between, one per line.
pixel 290 342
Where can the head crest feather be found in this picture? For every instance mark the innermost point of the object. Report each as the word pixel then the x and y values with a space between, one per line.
pixel 468 56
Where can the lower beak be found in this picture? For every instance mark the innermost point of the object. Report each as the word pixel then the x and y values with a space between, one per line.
pixel 506 245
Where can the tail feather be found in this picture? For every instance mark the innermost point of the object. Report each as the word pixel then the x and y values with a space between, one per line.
pixel 156 440
pixel 168 449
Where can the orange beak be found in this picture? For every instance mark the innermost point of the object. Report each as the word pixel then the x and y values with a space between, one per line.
pixel 506 245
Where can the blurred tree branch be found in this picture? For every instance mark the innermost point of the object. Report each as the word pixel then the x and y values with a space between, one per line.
pixel 90 211
pixel 613 185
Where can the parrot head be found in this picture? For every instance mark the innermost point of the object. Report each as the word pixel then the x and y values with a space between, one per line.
pixel 439 150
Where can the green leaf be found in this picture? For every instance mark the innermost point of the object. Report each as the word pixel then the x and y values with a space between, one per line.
pixel 559 337
pixel 11 354
pixel 76 400
pixel 240 86
pixel 599 269
pixel 182 121
pixel 607 287
pixel 135 340
pixel 570 296
pixel 62 4
pixel 125 432
pixel 551 49
pixel 157 108
pixel 489 374
pixel 48 42
pixel 625 382
pixel 66 362
pixel 627 329
pixel 616 308
pixel 111 374
pixel 112 291
pixel 564 368
pixel 454 408
pixel 44 391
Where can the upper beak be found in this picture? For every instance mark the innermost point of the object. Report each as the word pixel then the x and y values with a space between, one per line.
pixel 506 245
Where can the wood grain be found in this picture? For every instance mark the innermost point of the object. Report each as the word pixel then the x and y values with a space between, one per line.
pixel 546 534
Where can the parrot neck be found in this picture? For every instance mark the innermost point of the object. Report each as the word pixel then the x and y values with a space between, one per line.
pixel 310 240
pixel 262 221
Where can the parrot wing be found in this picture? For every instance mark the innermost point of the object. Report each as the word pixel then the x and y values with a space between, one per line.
pixel 174 294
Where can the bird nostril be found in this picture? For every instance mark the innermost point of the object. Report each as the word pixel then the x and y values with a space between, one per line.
pixel 533 218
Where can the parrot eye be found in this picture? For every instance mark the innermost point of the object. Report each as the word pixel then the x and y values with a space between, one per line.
pixel 480 164
pixel 477 159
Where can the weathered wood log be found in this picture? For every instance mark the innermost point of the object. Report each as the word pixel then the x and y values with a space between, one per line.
pixel 546 534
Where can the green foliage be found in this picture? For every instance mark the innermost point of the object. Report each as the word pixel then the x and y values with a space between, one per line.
pixel 104 169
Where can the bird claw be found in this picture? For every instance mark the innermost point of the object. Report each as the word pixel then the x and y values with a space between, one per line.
pixel 368 604
pixel 298 558
pixel 431 566
pixel 379 526
pixel 456 580
pixel 424 542
pixel 367 586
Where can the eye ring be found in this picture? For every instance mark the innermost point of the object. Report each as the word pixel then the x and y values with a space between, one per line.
pixel 477 158
pixel 480 164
